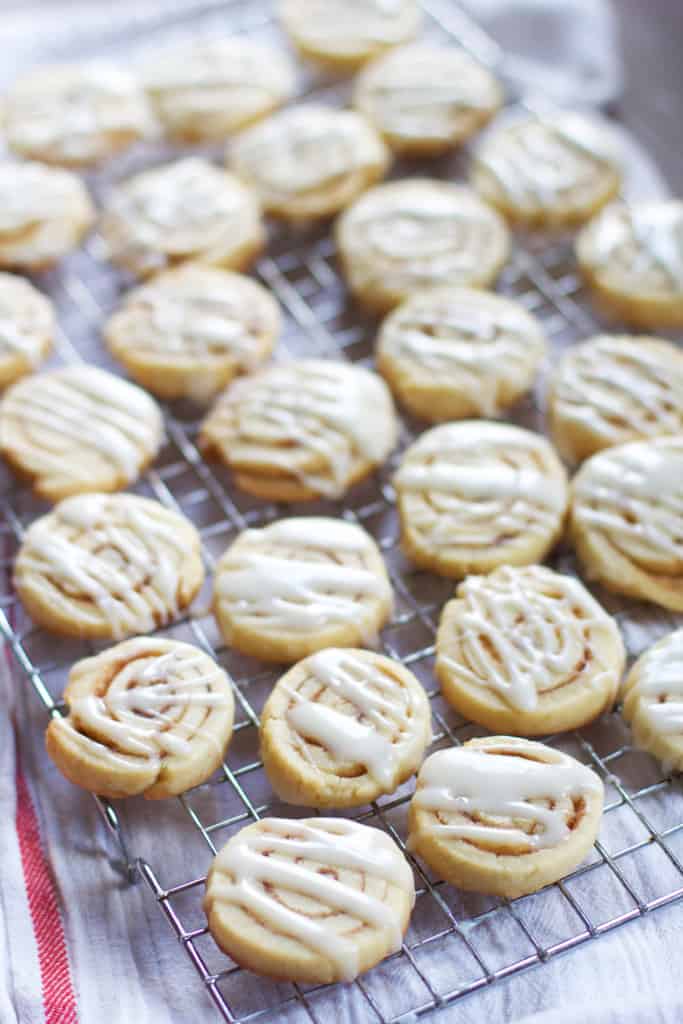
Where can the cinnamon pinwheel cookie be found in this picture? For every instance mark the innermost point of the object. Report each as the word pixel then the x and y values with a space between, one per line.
pixel 188 210
pixel 653 701
pixel 76 114
pixel 527 651
pixel 44 214
pixel 309 161
pixel 548 171
pixel 632 258
pixel 342 727
pixel 476 495
pixel 302 429
pixel 207 89
pixel 190 330
pixel 504 816
pixel 344 34
pixel 315 900
pixel 449 353
pixel 425 99
pixel 417 233
pixel 626 516
pixel 78 429
pixel 108 565
pixel 27 323
pixel 614 389
pixel 299 585
pixel 148 717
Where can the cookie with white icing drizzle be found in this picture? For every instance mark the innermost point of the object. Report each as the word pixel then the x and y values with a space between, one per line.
pixel 298 585
pixel 653 701
pixel 27 323
pixel 44 214
pixel 475 495
pixel 504 816
pixel 190 330
pixel 309 161
pixel 413 234
pixel 450 353
pixel 148 717
pixel 315 900
pixel 342 727
pixel 207 89
pixel 425 99
pixel 187 210
pixel 302 429
pixel 108 565
pixel 344 34
pixel 78 429
pixel 613 389
pixel 626 519
pixel 632 258
pixel 76 115
pixel 548 171
pixel 528 651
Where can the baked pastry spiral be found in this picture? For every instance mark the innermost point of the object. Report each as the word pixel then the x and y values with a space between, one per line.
pixel 475 495
pixel 528 651
pixel 149 716
pixel 342 727
pixel 103 565
pixel 625 521
pixel 27 322
pixel 653 700
pixel 314 900
pixel 504 816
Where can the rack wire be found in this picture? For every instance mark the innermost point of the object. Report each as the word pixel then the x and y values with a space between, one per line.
pixel 457 943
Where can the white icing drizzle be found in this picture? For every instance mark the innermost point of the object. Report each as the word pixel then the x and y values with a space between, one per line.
pixel 296 851
pixel 502 782
pixel 375 697
pixel 538 161
pixel 333 411
pixel 115 552
pixel 31 193
pixel 83 409
pixel 634 493
pixel 26 319
pixel 354 22
pixel 519 634
pixel 619 387
pixel 644 237
pixel 660 685
pixel 292 591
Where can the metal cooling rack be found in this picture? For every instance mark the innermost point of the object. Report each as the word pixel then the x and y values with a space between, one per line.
pixel 457 943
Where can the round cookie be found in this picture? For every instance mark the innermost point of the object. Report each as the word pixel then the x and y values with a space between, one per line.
pixel 527 651
pixel 27 323
pixel 653 701
pixel 426 99
pixel 182 211
pixel 302 429
pixel 108 565
pixel 626 516
pixel 207 89
pixel 613 389
pixel 44 214
pixel 416 233
pixel 309 161
pixel 314 900
pixel 547 172
pixel 475 495
pixel 76 114
pixel 450 353
pixel 78 429
pixel 299 585
pixel 190 330
pixel 504 816
pixel 149 717
pixel 342 727
pixel 632 258
pixel 344 34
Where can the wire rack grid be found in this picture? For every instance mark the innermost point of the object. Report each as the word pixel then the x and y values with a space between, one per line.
pixel 457 943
